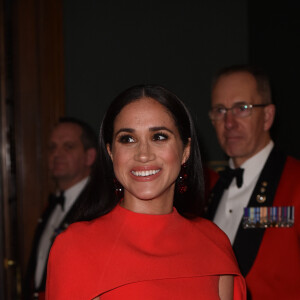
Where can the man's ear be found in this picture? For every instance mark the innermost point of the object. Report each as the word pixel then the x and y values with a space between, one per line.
pixel 108 148
pixel 186 152
pixel 269 115
pixel 91 154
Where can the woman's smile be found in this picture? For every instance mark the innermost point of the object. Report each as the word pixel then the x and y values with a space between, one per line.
pixel 145 174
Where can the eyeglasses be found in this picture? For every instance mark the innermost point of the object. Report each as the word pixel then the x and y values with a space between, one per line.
pixel 239 110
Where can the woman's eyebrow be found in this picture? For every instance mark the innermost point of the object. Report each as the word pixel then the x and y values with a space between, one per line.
pixel 152 129
pixel 130 130
pixel 159 128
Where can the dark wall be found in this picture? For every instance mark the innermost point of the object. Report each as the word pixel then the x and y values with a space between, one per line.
pixel 111 45
pixel 274 34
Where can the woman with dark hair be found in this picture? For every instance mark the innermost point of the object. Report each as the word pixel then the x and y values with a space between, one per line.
pixel 142 237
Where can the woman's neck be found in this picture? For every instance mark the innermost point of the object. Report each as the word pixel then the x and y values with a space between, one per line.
pixel 153 207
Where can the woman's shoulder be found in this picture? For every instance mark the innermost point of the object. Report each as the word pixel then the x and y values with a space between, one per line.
pixel 207 226
pixel 74 251
pixel 78 234
pixel 212 233
pixel 217 247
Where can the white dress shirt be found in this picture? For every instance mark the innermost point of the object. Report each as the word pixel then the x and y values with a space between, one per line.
pixel 53 223
pixel 231 207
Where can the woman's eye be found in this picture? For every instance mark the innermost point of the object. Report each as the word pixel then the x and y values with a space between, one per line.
pixel 125 139
pixel 160 137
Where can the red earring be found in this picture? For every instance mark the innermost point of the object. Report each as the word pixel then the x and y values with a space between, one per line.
pixel 181 181
pixel 118 188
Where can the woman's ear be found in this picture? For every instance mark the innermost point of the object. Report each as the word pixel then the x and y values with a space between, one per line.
pixel 108 148
pixel 186 152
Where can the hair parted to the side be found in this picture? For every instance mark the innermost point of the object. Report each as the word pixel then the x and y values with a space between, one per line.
pixel 189 204
pixel 260 76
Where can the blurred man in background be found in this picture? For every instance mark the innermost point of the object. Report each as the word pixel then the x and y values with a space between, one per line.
pixel 72 156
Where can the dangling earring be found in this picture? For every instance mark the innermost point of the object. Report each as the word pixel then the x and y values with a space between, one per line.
pixel 118 188
pixel 181 180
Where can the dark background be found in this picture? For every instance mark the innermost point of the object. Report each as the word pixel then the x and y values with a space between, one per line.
pixel 274 35
pixel 111 45
pixel 74 60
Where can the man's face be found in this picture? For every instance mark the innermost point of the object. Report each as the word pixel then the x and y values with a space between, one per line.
pixel 241 138
pixel 68 161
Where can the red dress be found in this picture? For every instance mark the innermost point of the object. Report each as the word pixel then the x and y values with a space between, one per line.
pixel 126 255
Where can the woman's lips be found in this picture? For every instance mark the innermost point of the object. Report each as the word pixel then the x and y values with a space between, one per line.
pixel 145 174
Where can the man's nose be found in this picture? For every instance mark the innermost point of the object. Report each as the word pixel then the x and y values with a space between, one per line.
pixel 229 120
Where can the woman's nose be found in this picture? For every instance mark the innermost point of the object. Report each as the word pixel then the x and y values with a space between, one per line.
pixel 144 152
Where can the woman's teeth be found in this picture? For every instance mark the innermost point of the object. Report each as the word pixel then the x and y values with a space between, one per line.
pixel 145 173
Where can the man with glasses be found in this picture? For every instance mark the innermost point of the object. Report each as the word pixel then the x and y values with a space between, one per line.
pixel 256 200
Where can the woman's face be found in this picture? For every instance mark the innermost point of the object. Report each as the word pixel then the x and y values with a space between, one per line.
pixel 147 152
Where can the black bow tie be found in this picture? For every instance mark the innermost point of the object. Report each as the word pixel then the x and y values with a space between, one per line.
pixel 57 199
pixel 228 174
